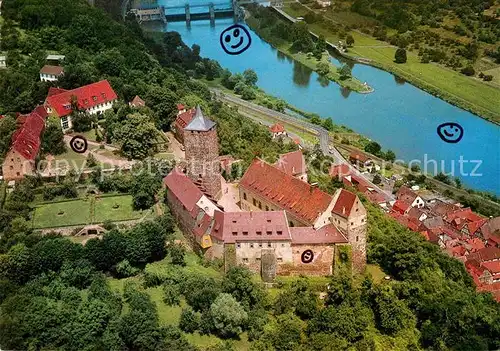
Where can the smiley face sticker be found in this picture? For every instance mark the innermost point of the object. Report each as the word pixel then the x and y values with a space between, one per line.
pixel 450 132
pixel 235 39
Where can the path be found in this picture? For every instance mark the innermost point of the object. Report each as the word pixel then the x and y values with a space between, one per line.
pixel 324 137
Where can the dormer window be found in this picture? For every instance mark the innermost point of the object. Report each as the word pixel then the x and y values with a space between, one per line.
pixel 85 101
pixel 103 95
pixel 67 106
pixel 94 98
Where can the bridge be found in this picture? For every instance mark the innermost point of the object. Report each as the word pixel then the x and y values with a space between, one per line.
pixel 149 10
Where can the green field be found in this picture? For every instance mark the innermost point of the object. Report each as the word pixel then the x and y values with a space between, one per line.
pixel 84 211
pixel 468 93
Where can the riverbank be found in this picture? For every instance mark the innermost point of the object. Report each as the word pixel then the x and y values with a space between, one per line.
pixel 308 60
pixel 480 98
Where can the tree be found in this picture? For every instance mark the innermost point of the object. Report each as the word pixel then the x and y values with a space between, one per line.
pixel 228 316
pixel 250 77
pixel 81 121
pixel 323 68
pixel 340 288
pixel 177 253
pixel 200 291
pixel 345 72
pixel 285 333
pixel 248 93
pixel 171 295
pixel 392 314
pixel 377 179
pixel 400 56
pixel 239 283
pixel 349 40
pixel 373 148
pixel 390 156
pixel 190 320
pixel 136 136
pixel 7 128
pixel 328 124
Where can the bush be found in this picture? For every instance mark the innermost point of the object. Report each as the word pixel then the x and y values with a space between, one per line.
pixel 377 179
pixel 171 294
pixel 400 56
pixel 468 71
pixel 488 78
pixel 177 253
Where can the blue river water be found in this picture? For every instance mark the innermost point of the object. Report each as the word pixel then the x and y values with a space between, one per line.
pixel 398 115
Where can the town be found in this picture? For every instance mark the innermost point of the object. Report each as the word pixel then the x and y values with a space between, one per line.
pixel 152 199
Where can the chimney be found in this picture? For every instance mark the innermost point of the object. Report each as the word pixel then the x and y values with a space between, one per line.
pixel 312 187
pixel 343 210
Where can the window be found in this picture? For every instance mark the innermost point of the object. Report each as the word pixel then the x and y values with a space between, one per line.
pixel 269 245
pixel 245 233
pixel 257 259
pixel 94 98
pixel 260 205
pixel 259 232
pixel 11 167
pixel 18 173
pixel 235 233
pixel 12 159
pixel 268 221
pixel 65 122
pixel 260 244
pixel 357 209
pixel 282 245
pixel 85 101
pixel 254 202
pixel 238 245
pixel 279 232
pixel 280 259
pixel 251 245
pixel 269 232
pixel 244 196
pixel 291 224
pixel 352 223
pixel 267 208
pixel 234 221
pixel 357 238
pixel 103 95
pixel 245 260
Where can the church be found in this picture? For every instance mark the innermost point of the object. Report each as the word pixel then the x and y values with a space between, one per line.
pixel 286 226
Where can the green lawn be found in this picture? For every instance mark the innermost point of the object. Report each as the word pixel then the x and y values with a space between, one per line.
pixel 75 212
pixel 468 93
pixel 104 209
pixel 70 160
pixel 80 212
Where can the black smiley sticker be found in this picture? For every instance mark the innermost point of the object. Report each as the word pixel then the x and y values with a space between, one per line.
pixel 307 256
pixel 450 132
pixel 78 144
pixel 235 39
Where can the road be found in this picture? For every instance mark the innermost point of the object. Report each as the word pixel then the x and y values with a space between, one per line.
pixel 324 137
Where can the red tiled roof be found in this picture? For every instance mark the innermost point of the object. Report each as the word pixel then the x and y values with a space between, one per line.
pixel 183 188
pixel 137 102
pixel 406 194
pixel 180 107
pixel 465 214
pixel 231 227
pixel 359 156
pixel 277 128
pixel 456 251
pixel 400 206
pixel 491 229
pixel 52 70
pixel 340 170
pixel 344 203
pixel 475 244
pixel 289 193
pixel 324 235
pixel 27 139
pixel 415 213
pixel 492 266
pixel 487 254
pixel 185 118
pixel 55 91
pixel 442 208
pixel 375 197
pixel 203 225
pixel 87 96
pixel 292 163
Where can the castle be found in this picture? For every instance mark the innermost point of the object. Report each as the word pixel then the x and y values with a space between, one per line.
pixel 286 226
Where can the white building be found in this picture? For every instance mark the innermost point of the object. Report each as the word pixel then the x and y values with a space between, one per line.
pixel 3 61
pixel 50 73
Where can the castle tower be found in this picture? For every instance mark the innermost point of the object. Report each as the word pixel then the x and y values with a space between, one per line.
pixel 349 216
pixel 202 153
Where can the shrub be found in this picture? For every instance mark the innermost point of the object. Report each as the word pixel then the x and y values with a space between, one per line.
pixel 400 56
pixel 190 321
pixel 171 294
pixel 124 269
pixel 468 71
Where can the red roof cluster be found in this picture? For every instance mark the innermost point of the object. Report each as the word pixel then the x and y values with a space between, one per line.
pixel 184 189
pixel 292 163
pixel 277 128
pixel 340 170
pixel 27 139
pixel 358 156
pixel 87 97
pixel 137 102
pixel 344 204
pixel 295 196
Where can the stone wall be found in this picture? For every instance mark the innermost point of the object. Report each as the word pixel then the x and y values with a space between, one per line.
pixel 310 260
pixel 184 220
pixel 16 166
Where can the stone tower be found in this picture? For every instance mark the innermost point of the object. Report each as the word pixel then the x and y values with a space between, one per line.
pixel 202 154
pixel 349 216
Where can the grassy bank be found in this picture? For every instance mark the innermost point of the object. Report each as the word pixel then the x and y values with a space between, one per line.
pixel 308 60
pixel 480 98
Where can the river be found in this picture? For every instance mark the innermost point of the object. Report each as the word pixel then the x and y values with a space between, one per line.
pixel 398 115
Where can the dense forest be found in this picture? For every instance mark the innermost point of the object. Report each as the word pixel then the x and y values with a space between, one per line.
pixel 56 294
